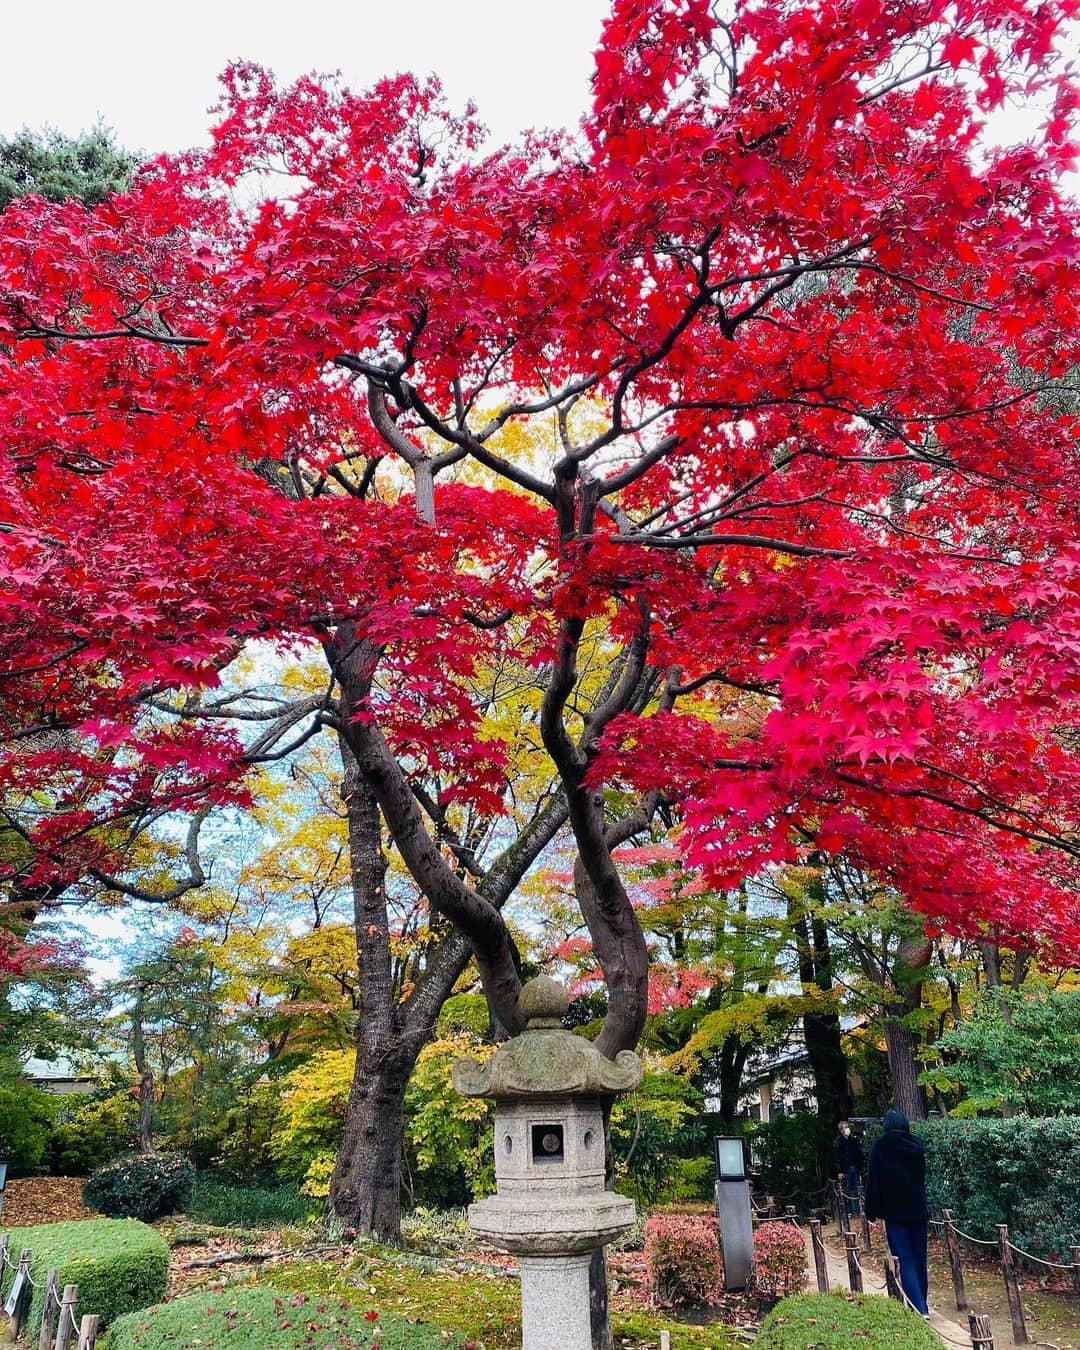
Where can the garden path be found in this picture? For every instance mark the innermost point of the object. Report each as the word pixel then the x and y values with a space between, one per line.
pixel 952 1327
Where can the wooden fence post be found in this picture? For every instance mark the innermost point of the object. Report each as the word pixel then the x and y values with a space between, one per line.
pixel 66 1327
pixel 665 1340
pixel 1074 1252
pixel 854 1270
pixel 844 1223
pixel 953 1248
pixel 893 1287
pixel 21 1287
pixel 1012 1287
pixel 866 1243
pixel 88 1332
pixel 820 1264
pixel 50 1311
pixel 791 1214
pixel 982 1335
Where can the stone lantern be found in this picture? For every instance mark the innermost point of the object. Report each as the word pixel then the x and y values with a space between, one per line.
pixel 551 1208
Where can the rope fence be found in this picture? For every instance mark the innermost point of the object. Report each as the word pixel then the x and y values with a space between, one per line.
pixel 60 1327
pixel 842 1204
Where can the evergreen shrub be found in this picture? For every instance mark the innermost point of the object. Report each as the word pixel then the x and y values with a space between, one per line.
pixel 840 1321
pixel 25 1117
pixel 779 1261
pixel 141 1187
pixel 119 1264
pixel 682 1257
pixel 262 1318
pixel 1023 1171
pixel 795 1154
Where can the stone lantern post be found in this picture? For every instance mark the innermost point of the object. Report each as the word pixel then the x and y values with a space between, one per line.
pixel 551 1208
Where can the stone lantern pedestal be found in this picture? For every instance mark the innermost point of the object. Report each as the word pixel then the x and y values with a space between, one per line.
pixel 551 1209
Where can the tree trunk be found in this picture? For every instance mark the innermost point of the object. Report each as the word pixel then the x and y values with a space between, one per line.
pixel 365 1190
pixel 912 957
pixel 991 958
pixel 146 1077
pixel 821 1030
pixel 599 1322
pixel 908 1096
pixel 602 1338
pixel 733 1053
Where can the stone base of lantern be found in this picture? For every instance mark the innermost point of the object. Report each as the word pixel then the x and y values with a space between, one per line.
pixel 555 1303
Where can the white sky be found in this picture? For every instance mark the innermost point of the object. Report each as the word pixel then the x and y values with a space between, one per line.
pixel 149 69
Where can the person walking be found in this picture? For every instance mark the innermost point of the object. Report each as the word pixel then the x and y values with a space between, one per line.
pixel 896 1193
pixel 848 1164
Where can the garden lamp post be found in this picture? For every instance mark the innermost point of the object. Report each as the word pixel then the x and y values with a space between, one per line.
pixel 733 1211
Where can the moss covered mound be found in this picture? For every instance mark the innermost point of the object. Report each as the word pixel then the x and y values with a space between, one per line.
pixel 840 1321
pixel 254 1317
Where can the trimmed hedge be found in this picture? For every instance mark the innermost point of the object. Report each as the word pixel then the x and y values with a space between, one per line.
pixel 840 1321
pixel 119 1264
pixel 142 1186
pixel 254 1318
pixel 1023 1171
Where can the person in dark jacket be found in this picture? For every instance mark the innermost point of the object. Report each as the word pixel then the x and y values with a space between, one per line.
pixel 896 1192
pixel 847 1165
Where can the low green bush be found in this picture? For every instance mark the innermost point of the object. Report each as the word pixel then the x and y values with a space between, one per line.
pixel 840 1321
pixel 141 1187
pixel 435 1230
pixel 25 1117
pixel 254 1318
pixel 223 1204
pixel 795 1154
pixel 119 1264
pixel 91 1133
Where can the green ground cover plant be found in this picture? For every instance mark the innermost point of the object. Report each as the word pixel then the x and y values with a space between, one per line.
pixel 120 1265
pixel 482 1305
pixel 840 1321
pixel 223 1204
pixel 253 1317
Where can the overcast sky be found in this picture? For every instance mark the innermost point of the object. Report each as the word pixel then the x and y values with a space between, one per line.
pixel 149 70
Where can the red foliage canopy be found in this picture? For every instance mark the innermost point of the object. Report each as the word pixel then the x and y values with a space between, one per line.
pixel 825 496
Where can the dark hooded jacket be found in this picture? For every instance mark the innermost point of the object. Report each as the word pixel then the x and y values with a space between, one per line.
pixel 846 1153
pixel 896 1174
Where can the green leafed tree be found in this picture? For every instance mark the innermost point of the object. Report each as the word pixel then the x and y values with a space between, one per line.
pixel 1017 1051
pixel 88 166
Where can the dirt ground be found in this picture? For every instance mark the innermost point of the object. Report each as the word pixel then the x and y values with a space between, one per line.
pixel 1052 1313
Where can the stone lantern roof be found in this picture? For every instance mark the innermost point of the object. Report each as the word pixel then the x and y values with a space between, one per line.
pixel 546 1060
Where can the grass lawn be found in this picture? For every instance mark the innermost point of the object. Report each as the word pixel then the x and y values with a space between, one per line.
pixel 478 1304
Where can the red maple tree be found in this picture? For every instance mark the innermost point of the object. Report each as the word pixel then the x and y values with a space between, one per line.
pixel 798 330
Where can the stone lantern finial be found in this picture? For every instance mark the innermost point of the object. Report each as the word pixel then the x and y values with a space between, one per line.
pixel 543 1002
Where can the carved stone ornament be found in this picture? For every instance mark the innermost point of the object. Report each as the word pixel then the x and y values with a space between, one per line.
pixel 546 1060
